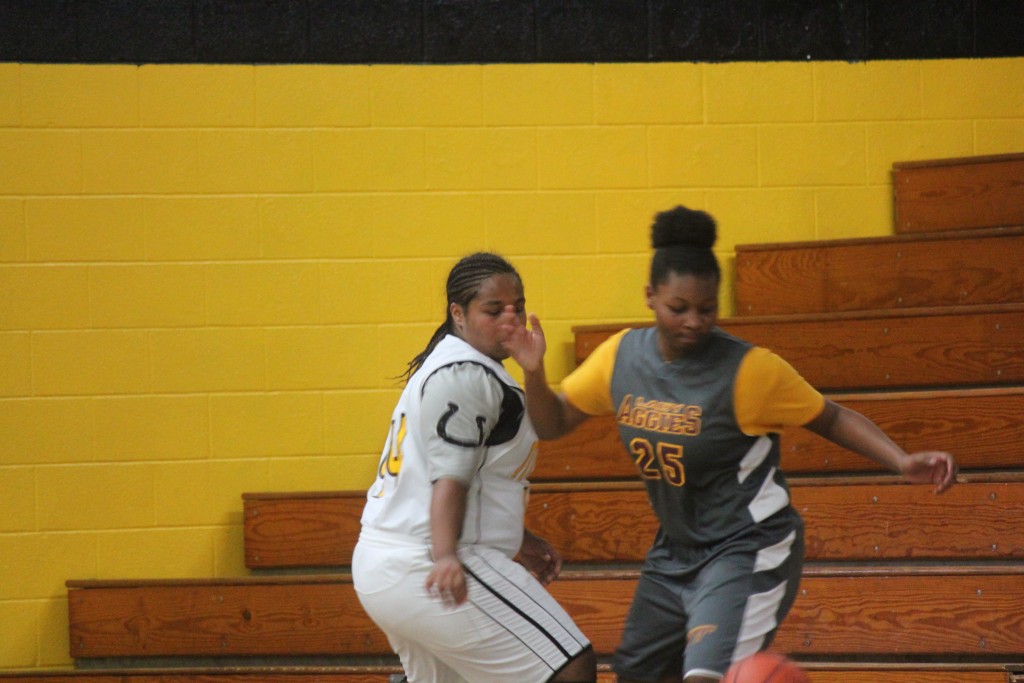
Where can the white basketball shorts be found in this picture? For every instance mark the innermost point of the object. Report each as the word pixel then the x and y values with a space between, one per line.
pixel 509 630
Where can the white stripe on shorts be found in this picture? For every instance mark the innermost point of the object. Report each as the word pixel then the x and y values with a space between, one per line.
pixel 525 609
pixel 774 555
pixel 759 619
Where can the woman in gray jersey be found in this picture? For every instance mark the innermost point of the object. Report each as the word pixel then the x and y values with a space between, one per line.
pixel 442 529
pixel 700 411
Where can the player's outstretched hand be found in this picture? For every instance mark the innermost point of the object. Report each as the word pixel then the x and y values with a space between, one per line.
pixel 930 467
pixel 540 557
pixel 526 345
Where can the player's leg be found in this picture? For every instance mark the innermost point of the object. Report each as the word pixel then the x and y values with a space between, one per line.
pixel 517 631
pixel 399 607
pixel 420 664
pixel 509 631
pixel 739 601
pixel 651 648
pixel 671 678
pixel 582 669
pixel 388 578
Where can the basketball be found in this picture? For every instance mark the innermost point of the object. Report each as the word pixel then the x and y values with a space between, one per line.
pixel 765 667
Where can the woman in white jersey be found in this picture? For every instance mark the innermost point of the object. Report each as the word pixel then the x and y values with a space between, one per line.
pixel 700 411
pixel 444 518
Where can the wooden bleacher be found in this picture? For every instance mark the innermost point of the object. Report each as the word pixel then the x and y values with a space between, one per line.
pixel 917 270
pixel 214 674
pixel 892 349
pixel 900 585
pixel 848 518
pixel 959 194
pixel 848 610
pixel 975 423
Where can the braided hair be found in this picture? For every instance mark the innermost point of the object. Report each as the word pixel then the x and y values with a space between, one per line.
pixel 464 282
pixel 682 239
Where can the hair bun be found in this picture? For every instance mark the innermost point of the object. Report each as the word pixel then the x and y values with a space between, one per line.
pixel 683 227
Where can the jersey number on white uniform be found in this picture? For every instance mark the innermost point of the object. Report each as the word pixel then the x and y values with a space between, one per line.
pixel 391 460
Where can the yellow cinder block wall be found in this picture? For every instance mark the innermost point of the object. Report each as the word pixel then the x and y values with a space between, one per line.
pixel 209 275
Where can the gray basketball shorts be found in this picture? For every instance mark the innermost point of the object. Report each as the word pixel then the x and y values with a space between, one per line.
pixel 698 610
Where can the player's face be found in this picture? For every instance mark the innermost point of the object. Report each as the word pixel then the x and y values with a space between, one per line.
pixel 489 318
pixel 685 310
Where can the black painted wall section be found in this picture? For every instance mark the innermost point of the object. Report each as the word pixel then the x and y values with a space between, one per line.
pixel 492 31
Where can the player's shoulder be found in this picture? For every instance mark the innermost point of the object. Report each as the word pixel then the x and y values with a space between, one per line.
pixel 618 340
pixel 728 339
pixel 460 376
pixel 470 385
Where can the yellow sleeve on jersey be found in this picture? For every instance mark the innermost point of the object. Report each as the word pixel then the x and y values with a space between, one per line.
pixel 770 394
pixel 589 387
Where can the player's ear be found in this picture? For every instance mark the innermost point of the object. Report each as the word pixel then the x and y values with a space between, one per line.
pixel 649 294
pixel 458 316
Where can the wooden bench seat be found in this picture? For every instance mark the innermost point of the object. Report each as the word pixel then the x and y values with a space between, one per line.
pixel 819 672
pixel 228 674
pixel 846 519
pixel 903 271
pixel 852 672
pixel 909 348
pixel 305 529
pixel 959 193
pixel 982 427
pixel 941 612
pixel 267 617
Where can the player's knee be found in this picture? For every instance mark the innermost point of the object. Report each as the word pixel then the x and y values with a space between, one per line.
pixel 582 669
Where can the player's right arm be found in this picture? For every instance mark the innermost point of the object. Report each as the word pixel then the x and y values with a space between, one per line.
pixel 459 405
pixel 556 414
pixel 446 580
pixel 552 416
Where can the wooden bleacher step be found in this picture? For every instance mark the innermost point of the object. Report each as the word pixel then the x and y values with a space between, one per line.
pixel 283 617
pixel 959 193
pixel 847 519
pixel 825 672
pixel 926 270
pixel 305 529
pixel 982 427
pixel 226 674
pixel 819 672
pixel 909 348
pixel 969 613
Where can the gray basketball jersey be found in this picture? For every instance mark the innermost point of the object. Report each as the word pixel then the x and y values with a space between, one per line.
pixel 706 479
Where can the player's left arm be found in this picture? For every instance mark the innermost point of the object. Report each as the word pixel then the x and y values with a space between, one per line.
pixel 771 395
pixel 857 433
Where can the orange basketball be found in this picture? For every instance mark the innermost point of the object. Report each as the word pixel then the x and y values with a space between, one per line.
pixel 765 667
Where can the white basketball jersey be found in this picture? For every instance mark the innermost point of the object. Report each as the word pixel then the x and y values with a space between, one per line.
pixel 461 416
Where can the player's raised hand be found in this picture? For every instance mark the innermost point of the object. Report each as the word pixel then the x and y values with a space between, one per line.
pixel 526 345
pixel 930 467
